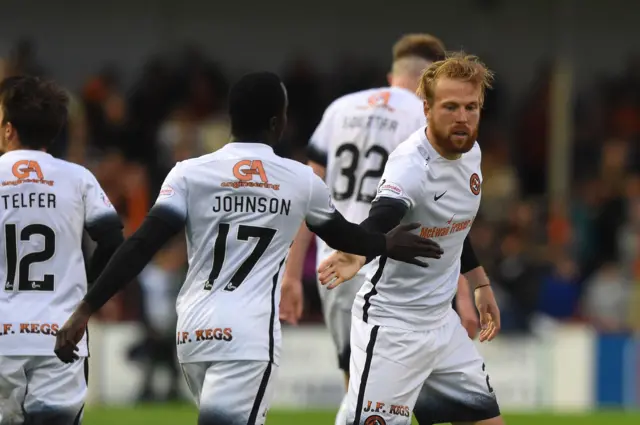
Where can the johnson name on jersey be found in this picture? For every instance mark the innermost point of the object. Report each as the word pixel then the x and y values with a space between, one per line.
pixel 45 206
pixel 242 206
pixel 353 141
pixel 443 196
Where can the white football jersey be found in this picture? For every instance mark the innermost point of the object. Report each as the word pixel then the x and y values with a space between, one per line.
pixel 45 205
pixel 356 135
pixel 243 206
pixel 443 196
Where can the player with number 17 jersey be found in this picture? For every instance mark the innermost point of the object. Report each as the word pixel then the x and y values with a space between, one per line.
pixel 240 208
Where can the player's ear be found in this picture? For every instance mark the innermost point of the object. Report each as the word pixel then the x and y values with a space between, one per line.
pixel 273 123
pixel 425 106
pixel 9 131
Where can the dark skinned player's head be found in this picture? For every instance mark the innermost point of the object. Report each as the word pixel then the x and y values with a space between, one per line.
pixel 258 108
pixel 32 113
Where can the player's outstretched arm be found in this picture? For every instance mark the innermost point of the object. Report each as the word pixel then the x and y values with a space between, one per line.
pixel 128 261
pixel 385 214
pixel 400 243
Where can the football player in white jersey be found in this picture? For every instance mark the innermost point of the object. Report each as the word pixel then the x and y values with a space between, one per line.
pixel 46 204
pixel 242 206
pixel 349 150
pixel 404 333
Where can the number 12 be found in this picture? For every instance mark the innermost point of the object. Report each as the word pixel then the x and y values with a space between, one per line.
pixel 14 263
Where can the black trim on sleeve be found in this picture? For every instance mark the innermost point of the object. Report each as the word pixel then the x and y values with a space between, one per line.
pixel 169 216
pixel 107 234
pixel 103 226
pixel 316 155
pixel 343 235
pixel 134 254
pixel 468 259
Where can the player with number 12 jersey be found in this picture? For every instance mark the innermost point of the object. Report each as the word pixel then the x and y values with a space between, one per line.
pixel 46 205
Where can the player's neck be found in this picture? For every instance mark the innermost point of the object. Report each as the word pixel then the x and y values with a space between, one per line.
pixel 433 140
pixel 16 146
pixel 404 83
pixel 249 138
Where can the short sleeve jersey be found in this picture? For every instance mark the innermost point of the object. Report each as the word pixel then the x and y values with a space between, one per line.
pixel 443 196
pixel 354 139
pixel 45 206
pixel 242 207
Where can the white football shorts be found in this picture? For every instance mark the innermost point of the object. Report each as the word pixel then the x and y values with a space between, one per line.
pixel 42 390
pixel 390 366
pixel 231 392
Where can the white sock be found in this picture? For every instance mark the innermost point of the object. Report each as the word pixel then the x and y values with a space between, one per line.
pixel 341 417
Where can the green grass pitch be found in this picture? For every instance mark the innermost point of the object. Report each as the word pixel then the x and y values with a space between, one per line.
pixel 186 415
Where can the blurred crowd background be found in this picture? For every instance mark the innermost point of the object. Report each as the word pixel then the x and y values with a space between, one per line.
pixel 574 259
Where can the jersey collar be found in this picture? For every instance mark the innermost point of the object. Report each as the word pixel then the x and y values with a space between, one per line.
pixel 249 146
pixel 428 151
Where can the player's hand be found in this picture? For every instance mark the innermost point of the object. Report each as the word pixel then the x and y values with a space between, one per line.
pixel 291 300
pixel 489 313
pixel 71 334
pixel 338 268
pixel 467 312
pixel 402 245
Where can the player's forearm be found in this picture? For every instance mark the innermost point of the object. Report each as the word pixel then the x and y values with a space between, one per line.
pixel 107 234
pixel 102 254
pixel 384 215
pixel 129 260
pixel 463 297
pixel 477 277
pixel 297 253
pixel 470 266
pixel 345 236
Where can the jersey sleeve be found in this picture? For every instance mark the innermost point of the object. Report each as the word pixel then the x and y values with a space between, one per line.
pixel 321 208
pixel 98 210
pixel 171 204
pixel 401 180
pixel 318 148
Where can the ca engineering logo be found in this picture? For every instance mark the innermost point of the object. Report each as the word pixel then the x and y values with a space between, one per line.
pixel 246 171
pixel 27 171
pixel 379 100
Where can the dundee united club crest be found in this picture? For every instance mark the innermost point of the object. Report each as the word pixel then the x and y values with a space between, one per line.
pixel 375 420
pixel 474 184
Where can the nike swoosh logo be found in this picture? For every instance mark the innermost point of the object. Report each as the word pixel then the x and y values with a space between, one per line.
pixel 437 198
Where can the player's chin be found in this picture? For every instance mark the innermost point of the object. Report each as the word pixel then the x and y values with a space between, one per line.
pixel 461 143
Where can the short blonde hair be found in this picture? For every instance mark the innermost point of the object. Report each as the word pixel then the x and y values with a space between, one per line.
pixel 457 66
pixel 424 46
